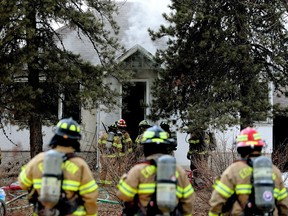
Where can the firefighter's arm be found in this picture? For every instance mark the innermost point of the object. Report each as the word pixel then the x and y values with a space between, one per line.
pixel 88 190
pixel 185 193
pixel 223 190
pixel 127 186
pixel 25 177
pixel 281 194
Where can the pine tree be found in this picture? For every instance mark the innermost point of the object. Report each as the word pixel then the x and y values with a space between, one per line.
pixel 220 60
pixel 36 68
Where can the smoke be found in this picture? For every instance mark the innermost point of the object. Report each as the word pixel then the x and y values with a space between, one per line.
pixel 143 15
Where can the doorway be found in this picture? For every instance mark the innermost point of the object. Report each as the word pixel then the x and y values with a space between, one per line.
pixel 280 141
pixel 134 106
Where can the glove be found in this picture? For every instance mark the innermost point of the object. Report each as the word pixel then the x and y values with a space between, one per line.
pixel 188 156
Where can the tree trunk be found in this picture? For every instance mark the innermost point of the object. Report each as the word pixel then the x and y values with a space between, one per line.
pixel 36 139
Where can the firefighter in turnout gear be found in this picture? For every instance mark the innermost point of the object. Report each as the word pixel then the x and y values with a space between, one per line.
pixel 198 148
pixel 138 187
pixel 127 144
pixel 198 154
pixel 110 147
pixel 172 134
pixel 143 126
pixel 236 192
pixel 77 191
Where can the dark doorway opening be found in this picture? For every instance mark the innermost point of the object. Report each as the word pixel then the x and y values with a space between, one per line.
pixel 280 142
pixel 280 131
pixel 133 106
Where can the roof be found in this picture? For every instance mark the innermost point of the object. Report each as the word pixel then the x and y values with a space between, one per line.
pixel 133 50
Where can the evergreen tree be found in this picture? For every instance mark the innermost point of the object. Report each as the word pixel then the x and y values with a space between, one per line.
pixel 37 69
pixel 220 61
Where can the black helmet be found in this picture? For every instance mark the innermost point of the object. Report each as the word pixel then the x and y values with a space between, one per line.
pixel 144 124
pixel 112 128
pixel 156 140
pixel 155 135
pixel 68 129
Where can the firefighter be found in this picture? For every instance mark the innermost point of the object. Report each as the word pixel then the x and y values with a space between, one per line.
pixel 127 144
pixel 79 191
pixel 143 126
pixel 234 192
pixel 110 147
pixel 137 188
pixel 198 154
pixel 172 134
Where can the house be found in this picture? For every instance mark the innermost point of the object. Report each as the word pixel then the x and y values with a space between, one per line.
pixel 139 59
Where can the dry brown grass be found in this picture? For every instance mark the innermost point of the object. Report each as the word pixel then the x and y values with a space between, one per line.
pixel 10 171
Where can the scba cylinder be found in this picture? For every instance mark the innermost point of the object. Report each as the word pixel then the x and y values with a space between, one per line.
pixel 110 139
pixel 51 178
pixel 263 184
pixel 166 183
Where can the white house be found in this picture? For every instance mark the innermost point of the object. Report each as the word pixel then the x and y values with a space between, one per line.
pixel 139 59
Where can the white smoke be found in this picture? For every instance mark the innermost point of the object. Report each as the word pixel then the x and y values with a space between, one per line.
pixel 143 15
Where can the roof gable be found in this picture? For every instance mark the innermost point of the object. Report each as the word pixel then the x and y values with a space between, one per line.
pixel 133 50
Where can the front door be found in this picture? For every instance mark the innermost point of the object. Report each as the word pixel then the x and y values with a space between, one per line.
pixel 134 106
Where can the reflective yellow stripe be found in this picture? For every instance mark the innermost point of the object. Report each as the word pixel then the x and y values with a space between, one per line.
pixel 70 185
pixel 81 211
pixel 184 192
pixel 26 181
pixel 187 191
pixel 128 140
pixel 117 145
pixel 280 195
pixel 111 156
pixel 37 183
pixel 194 141
pixel 146 188
pixel 126 189
pixel 224 190
pixel 243 189
pixel 88 188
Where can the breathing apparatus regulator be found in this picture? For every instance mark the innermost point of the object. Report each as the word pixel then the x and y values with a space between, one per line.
pixel 52 178
pixel 166 184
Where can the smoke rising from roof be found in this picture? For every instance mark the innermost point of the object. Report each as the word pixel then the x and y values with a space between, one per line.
pixel 144 14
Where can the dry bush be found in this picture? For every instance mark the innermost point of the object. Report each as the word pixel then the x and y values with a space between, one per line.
pixel 280 157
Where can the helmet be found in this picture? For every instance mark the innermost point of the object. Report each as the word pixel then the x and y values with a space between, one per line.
pixel 155 135
pixel 144 123
pixel 112 127
pixel 155 140
pixel 249 140
pixel 68 129
pixel 121 123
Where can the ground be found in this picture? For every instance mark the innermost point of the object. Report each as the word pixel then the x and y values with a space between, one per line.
pixel 20 206
pixel 10 169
